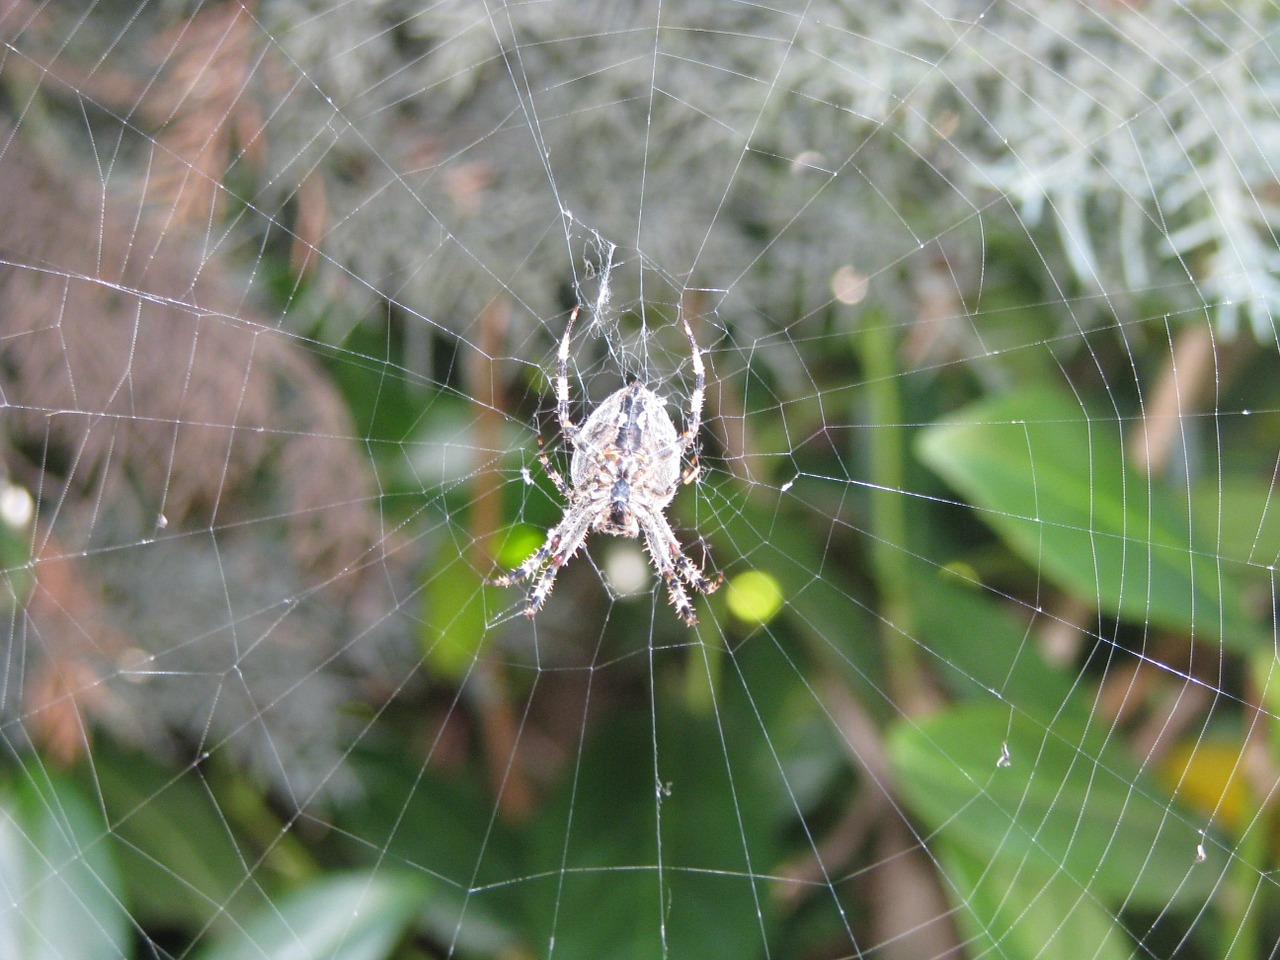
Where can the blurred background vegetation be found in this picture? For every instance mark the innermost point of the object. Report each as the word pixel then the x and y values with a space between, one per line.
pixel 986 295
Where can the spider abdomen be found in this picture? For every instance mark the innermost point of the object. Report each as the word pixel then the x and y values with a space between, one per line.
pixel 629 446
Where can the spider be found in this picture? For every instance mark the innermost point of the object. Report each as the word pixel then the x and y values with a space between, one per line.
pixel 624 471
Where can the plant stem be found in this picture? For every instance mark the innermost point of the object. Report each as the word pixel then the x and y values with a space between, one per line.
pixel 702 673
pixel 876 346
pixel 1244 895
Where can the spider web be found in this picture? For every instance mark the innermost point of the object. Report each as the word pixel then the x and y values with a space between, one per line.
pixel 985 297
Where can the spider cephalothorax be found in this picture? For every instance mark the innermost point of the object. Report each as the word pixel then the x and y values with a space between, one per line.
pixel 625 469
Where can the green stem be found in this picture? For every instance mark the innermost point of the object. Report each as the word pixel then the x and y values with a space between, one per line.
pixel 876 345
pixel 248 810
pixel 1243 901
pixel 702 673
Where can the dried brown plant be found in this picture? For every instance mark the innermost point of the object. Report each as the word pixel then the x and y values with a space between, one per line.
pixel 204 107
pixel 145 399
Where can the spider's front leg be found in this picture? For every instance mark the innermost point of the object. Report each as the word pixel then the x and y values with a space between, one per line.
pixel 531 562
pixel 563 541
pixel 567 426
pixel 536 559
pixel 552 472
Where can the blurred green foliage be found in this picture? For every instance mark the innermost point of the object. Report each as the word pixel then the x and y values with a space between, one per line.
pixel 902 525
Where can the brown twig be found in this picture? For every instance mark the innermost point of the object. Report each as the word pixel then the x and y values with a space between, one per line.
pixel 498 723
pixel 1183 383
pixel 863 741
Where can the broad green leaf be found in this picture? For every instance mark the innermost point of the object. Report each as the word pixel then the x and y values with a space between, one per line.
pixel 354 916
pixel 1240 516
pixel 1052 481
pixel 1067 804
pixel 1005 912
pixel 59 896
pixel 1210 775
pixel 979 646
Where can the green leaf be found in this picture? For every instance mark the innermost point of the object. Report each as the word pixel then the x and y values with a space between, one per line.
pixel 629 854
pixel 1240 516
pixel 1067 805
pixel 442 827
pixel 817 600
pixel 1052 481
pixel 355 916
pixel 453 627
pixel 981 645
pixel 59 895
pixel 177 859
pixel 1003 912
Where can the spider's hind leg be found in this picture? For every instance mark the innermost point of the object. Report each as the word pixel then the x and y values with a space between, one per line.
pixel 694 471
pixel 694 575
pixel 670 562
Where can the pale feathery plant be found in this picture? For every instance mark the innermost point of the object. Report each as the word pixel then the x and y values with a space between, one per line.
pixel 1131 145
pixel 1141 135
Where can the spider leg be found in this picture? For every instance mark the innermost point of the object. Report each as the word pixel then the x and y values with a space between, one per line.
pixel 534 562
pixel 552 472
pixel 569 537
pixel 663 551
pixel 699 388
pixel 694 471
pixel 686 439
pixel 567 426
pixel 531 563
pixel 693 574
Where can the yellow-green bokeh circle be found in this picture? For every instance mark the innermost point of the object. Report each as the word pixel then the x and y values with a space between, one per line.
pixel 754 597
